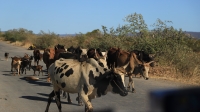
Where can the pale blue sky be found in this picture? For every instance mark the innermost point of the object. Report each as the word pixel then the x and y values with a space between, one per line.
pixel 74 16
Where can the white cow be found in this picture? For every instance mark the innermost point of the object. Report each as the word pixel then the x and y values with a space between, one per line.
pixel 87 78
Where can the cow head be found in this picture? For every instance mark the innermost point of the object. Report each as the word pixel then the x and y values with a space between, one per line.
pixel 71 49
pixel 143 56
pixel 59 47
pixel 117 81
pixel 111 80
pixel 82 54
pixel 16 60
pixel 142 67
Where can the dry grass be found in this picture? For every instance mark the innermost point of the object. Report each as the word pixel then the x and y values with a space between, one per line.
pixel 170 73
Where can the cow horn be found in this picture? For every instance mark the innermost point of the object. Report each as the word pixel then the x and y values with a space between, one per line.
pixel 150 62
pixel 135 57
pixel 96 53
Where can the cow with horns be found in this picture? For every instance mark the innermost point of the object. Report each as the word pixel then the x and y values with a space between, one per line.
pixel 130 62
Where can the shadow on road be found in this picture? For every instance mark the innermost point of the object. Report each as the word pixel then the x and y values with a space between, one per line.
pixel 8 74
pixel 36 98
pixel 37 82
pixel 47 95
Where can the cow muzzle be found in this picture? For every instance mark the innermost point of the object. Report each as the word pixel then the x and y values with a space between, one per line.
pixel 124 92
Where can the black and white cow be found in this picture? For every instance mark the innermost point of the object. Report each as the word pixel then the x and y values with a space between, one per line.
pixel 87 78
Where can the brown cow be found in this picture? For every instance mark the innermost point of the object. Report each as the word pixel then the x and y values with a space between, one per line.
pixel 51 54
pixel 112 57
pixel 37 56
pixel 129 62
pixel 97 55
pixel 15 63
pixel 48 56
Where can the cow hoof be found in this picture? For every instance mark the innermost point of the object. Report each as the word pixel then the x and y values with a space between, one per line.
pixel 70 102
pixel 133 90
pixel 80 104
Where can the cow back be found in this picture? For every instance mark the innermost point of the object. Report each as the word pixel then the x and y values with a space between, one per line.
pixel 123 57
pixel 57 52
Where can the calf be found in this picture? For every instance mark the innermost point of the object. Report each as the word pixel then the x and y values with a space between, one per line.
pixel 37 68
pixel 6 56
pixel 87 78
pixel 15 63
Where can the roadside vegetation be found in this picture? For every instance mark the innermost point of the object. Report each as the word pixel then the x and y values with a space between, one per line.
pixel 177 54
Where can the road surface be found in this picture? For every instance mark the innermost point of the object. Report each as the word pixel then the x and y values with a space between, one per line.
pixel 20 95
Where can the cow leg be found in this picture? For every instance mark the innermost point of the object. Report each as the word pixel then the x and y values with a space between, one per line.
pixel 88 104
pixel 29 66
pixel 64 95
pixel 51 95
pixel 11 68
pixel 18 71
pixel 34 63
pixel 22 70
pixel 131 83
pixel 87 109
pixel 37 62
pixel 13 73
pixel 68 98
pixel 80 103
pixel 57 98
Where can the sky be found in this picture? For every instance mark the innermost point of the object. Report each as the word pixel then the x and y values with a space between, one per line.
pixel 82 16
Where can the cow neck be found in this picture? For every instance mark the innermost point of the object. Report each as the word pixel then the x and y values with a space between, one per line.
pixel 133 60
pixel 102 76
pixel 102 83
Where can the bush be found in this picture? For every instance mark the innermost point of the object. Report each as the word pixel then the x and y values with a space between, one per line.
pixel 17 35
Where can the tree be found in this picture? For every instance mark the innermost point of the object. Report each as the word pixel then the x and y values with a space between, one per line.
pixel 135 24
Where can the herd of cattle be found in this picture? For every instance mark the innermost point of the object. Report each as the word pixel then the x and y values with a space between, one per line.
pixel 90 73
